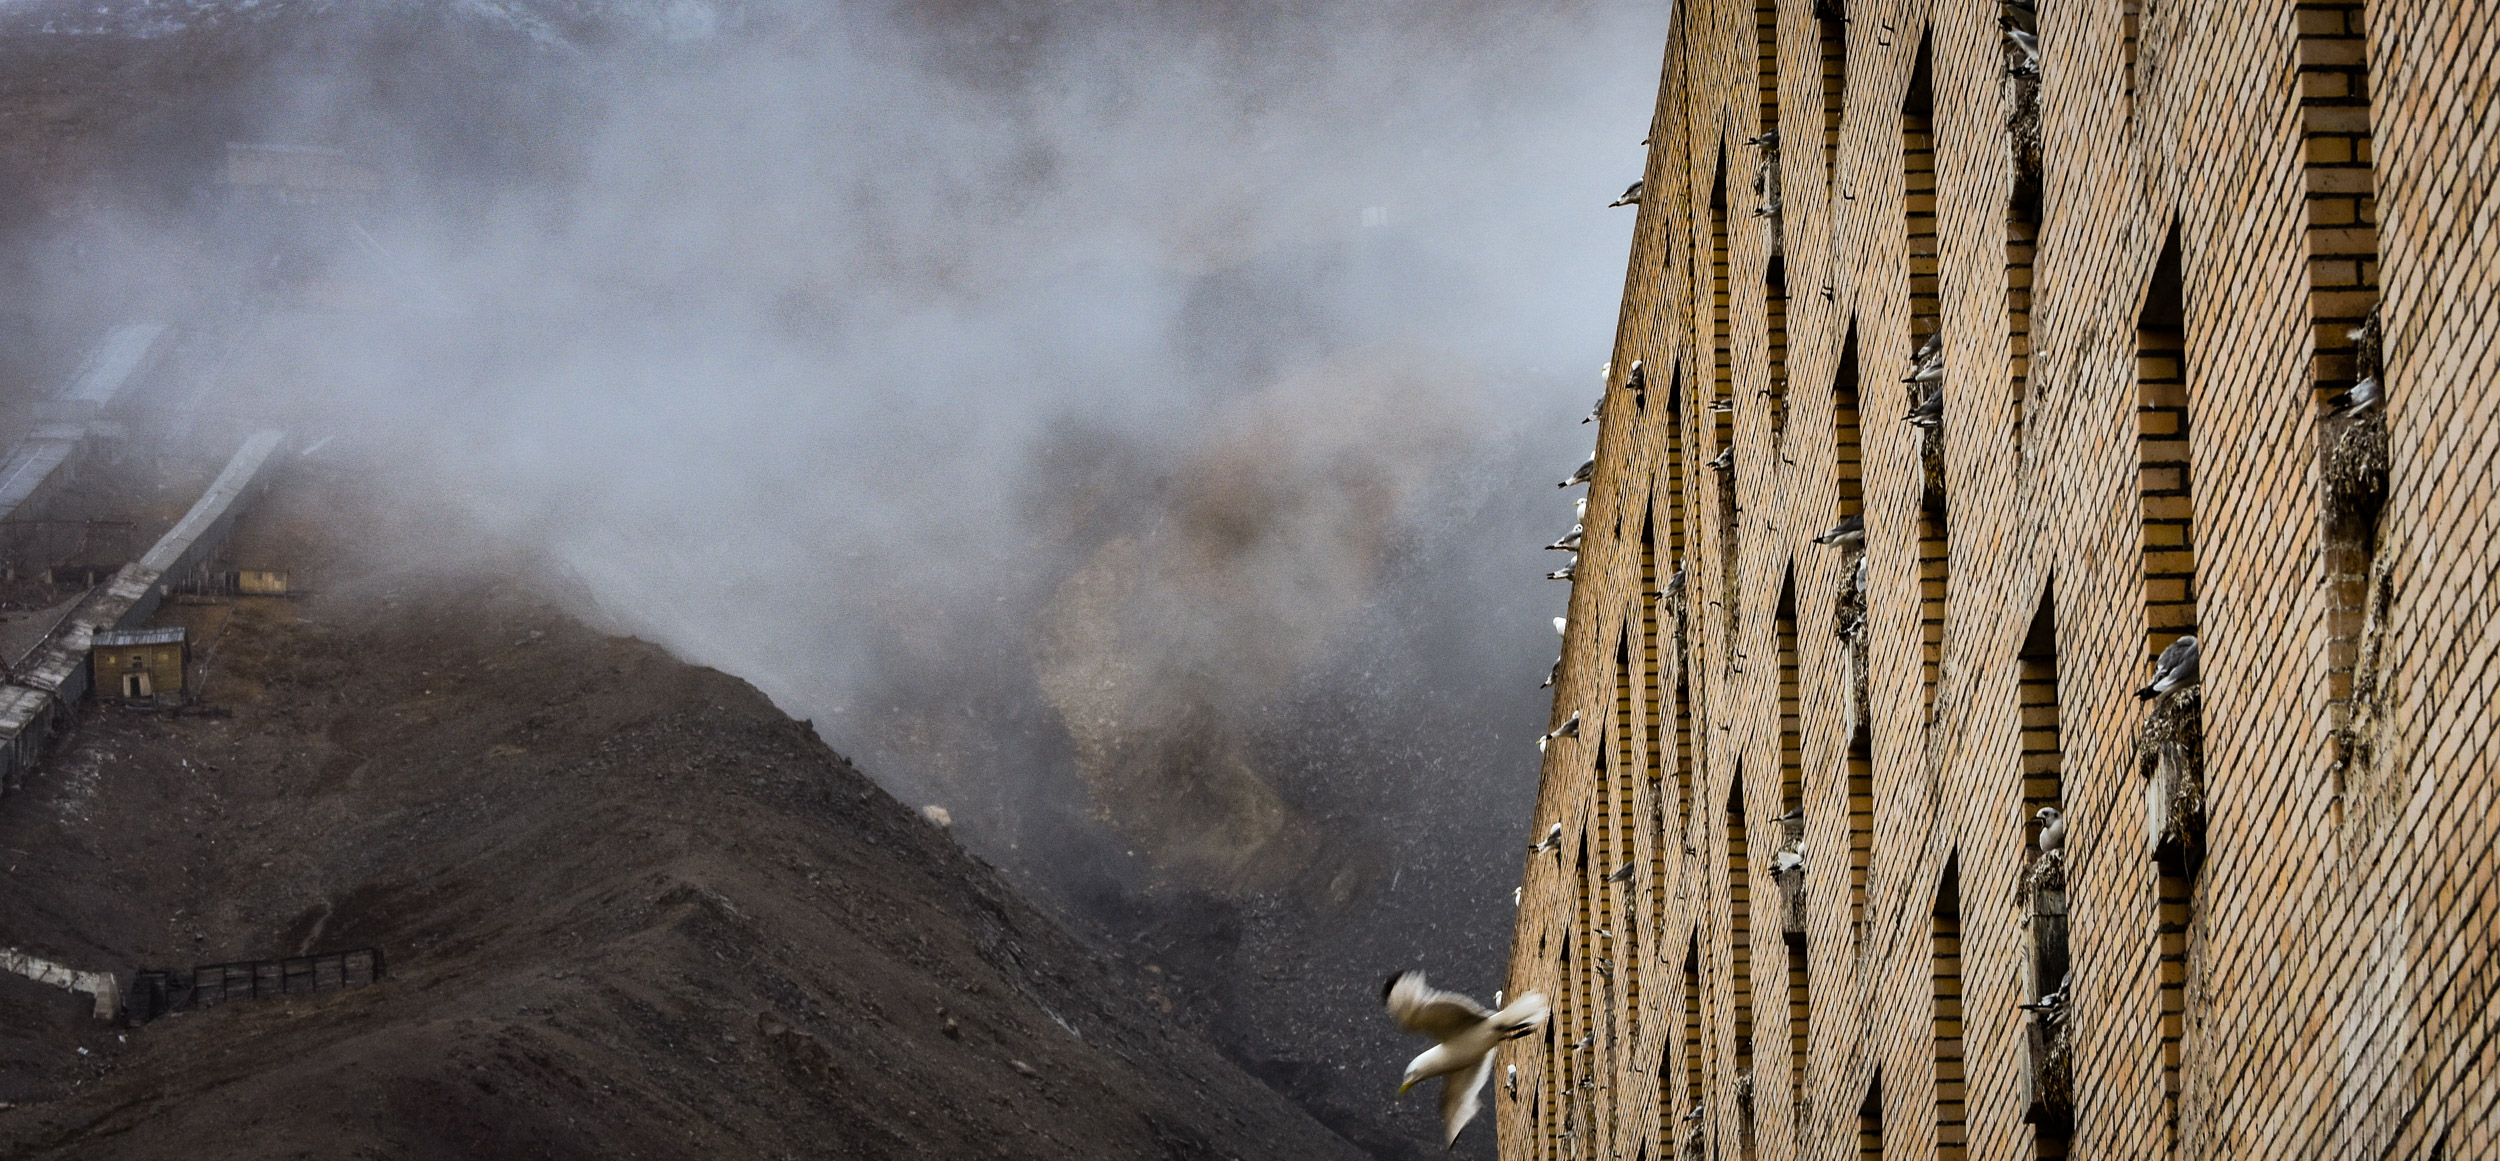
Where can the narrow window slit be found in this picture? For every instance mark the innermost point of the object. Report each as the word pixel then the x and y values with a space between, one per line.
pixel 2049 1075
pixel 1861 826
pixel 1871 1122
pixel 1652 712
pixel 1800 1015
pixel 1740 957
pixel 1849 608
pixel 1831 20
pixel 1951 1132
pixel 2341 195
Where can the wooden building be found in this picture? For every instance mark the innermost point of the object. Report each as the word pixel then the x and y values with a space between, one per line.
pixel 138 663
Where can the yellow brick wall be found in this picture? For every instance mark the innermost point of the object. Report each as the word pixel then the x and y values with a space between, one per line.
pixel 2325 980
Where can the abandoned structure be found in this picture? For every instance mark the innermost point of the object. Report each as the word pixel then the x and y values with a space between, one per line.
pixel 2109 325
pixel 138 663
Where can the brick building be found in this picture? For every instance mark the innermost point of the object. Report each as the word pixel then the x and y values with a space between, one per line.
pixel 2152 261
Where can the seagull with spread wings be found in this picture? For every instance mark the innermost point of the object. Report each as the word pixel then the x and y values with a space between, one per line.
pixel 1464 1036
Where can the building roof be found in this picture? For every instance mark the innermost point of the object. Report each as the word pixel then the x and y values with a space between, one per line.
pixel 112 637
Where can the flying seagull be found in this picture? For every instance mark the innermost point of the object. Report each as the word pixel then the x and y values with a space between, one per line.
pixel 1465 1036
pixel 2176 667
pixel 1928 413
pixel 1631 197
pixel 1846 534
pixel 1623 874
pixel 1566 572
pixel 1570 541
pixel 2052 830
pixel 2361 397
pixel 1552 841
pixel 1581 474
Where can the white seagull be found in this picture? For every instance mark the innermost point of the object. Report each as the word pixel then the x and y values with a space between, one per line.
pixel 1638 379
pixel 1465 1036
pixel 1631 197
pixel 1851 531
pixel 1566 572
pixel 1581 474
pixel 2052 829
pixel 1552 842
pixel 2176 667
pixel 2362 396
pixel 1570 541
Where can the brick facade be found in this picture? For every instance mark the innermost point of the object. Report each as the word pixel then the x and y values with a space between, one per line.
pixel 2275 911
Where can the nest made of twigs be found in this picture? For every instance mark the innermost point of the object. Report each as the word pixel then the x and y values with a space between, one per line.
pixel 2355 464
pixel 2176 730
pixel 1931 468
pixel 2022 126
pixel 2057 1069
pixel 2046 873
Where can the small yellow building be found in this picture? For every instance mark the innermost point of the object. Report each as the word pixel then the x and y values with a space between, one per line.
pixel 137 663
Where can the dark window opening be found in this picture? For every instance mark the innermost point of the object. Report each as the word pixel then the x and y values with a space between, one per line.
pixel 1740 951
pixel 1861 826
pixel 1934 564
pixel 1871 1122
pixel 1832 28
pixel 1800 1015
pixel 2049 1073
pixel 2162 441
pixel 1951 1132
pixel 2346 344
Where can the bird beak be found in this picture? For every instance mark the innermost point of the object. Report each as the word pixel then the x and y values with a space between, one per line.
pixel 1403 1087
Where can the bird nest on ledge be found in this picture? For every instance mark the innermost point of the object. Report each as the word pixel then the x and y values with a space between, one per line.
pixel 2355 463
pixel 2171 757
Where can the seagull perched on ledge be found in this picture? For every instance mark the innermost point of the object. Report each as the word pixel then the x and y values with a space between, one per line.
pixel 1638 380
pixel 1767 139
pixel 1631 197
pixel 1847 533
pixel 1570 541
pixel 2174 668
pixel 1465 1036
pixel 1552 841
pixel 1566 572
pixel 1623 874
pixel 1928 413
pixel 1726 462
pixel 2052 829
pixel 2361 397
pixel 1582 474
